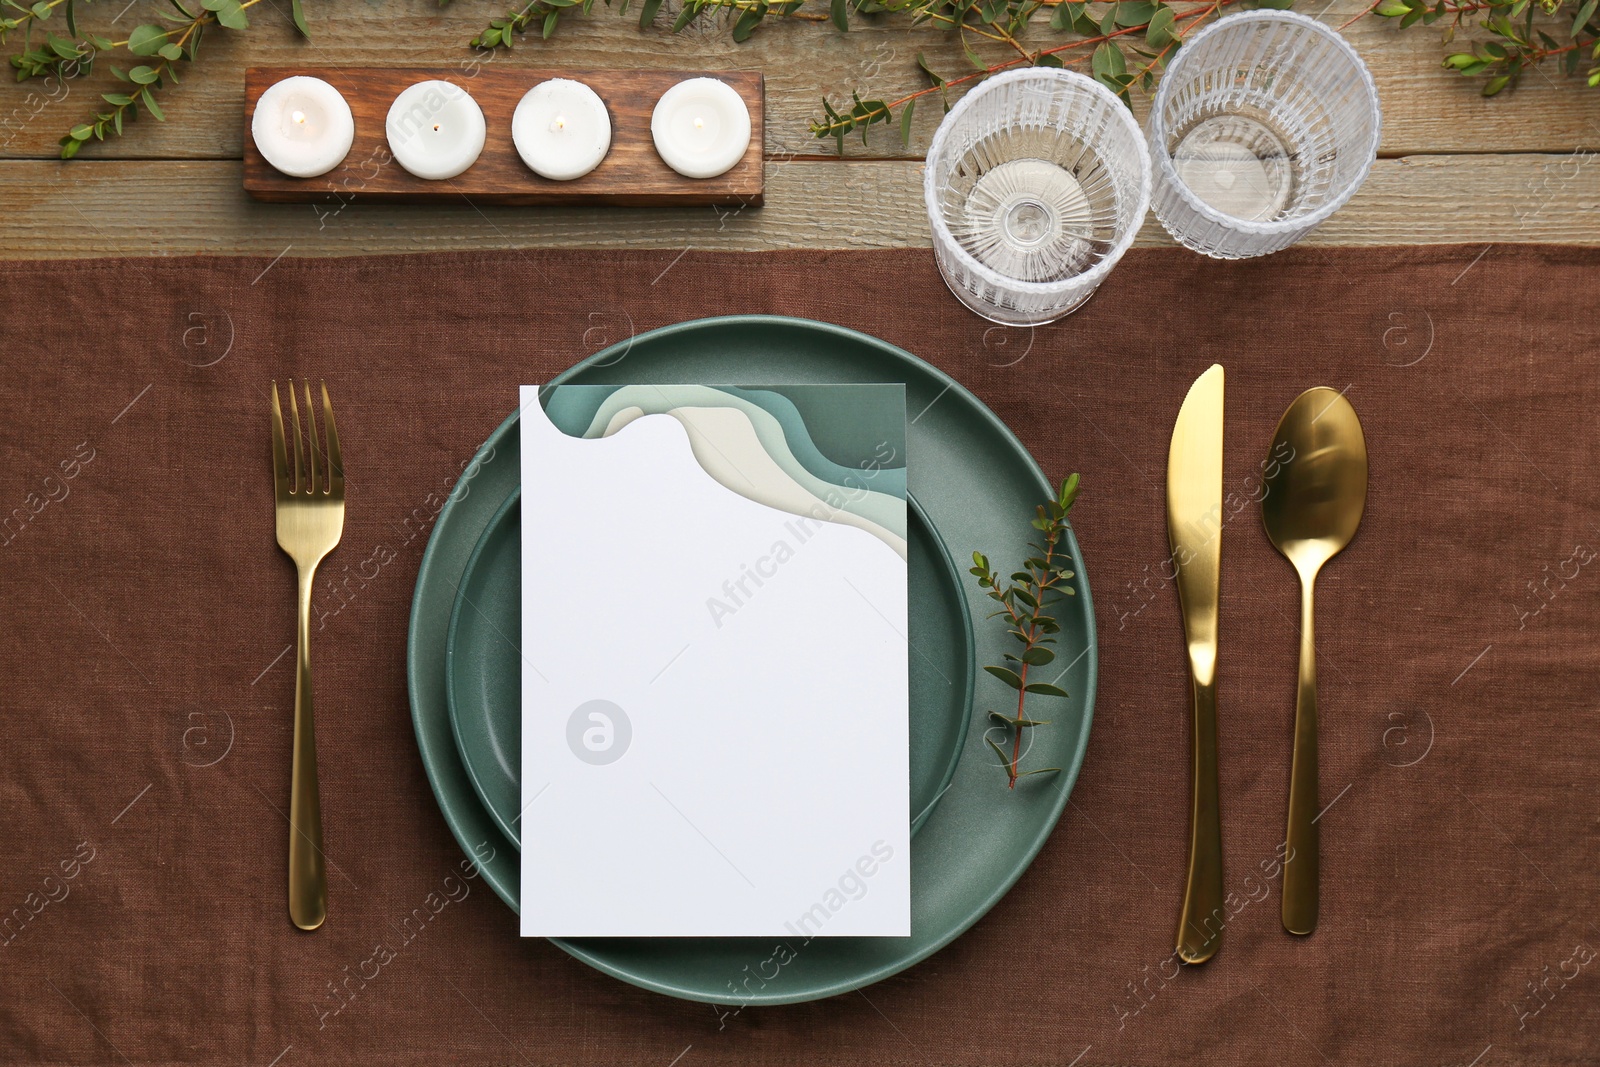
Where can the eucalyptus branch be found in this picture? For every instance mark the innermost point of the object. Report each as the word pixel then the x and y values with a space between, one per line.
pixel 1522 34
pixel 1024 600
pixel 1163 28
pixel 27 15
pixel 168 46
pixel 502 32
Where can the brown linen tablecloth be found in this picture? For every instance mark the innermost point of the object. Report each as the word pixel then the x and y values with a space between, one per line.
pixel 147 696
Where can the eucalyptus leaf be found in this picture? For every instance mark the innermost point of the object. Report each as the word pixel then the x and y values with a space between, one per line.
pixel 1007 676
pixel 146 40
pixel 1158 33
pixel 232 16
pixel 1002 720
pixel 1134 12
pixel 747 22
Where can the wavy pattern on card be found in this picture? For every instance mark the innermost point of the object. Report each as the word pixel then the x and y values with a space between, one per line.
pixel 573 409
pixel 783 440
pixel 877 474
pixel 728 448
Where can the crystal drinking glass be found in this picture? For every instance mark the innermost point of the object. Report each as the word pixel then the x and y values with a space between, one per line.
pixel 1265 123
pixel 1036 183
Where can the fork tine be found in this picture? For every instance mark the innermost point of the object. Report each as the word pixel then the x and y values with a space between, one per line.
pixel 335 458
pixel 311 432
pixel 280 456
pixel 299 459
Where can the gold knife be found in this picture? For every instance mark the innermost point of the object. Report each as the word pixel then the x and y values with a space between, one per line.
pixel 1194 528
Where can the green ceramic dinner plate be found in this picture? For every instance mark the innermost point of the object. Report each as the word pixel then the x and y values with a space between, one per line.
pixel 484 665
pixel 977 487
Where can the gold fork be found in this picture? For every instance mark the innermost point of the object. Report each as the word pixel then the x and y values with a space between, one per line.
pixel 310 520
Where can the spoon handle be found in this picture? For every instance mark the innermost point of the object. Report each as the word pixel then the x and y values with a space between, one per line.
pixel 1301 864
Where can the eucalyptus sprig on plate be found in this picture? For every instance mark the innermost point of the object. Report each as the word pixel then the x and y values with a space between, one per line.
pixel 1024 601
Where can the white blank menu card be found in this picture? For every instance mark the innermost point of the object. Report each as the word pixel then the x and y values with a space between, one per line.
pixel 714 674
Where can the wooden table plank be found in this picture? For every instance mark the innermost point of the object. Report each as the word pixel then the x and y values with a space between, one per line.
pixel 1426 109
pixel 99 208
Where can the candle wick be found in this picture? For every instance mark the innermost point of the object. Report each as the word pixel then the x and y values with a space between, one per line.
pixel 435 127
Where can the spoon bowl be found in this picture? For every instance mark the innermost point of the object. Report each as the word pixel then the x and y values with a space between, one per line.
pixel 1316 492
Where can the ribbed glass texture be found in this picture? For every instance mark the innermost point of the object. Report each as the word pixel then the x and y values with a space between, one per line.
pixel 1264 124
pixel 1036 183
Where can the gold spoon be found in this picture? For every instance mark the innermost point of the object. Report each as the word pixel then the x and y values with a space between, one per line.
pixel 1316 490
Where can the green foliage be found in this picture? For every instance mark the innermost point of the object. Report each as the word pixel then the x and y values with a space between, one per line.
pixel 1024 599
pixel 164 48
pixel 1522 34
pixel 546 14
pixel 1126 42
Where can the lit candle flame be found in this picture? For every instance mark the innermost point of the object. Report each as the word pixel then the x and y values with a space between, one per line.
pixel 299 117
pixel 558 123
pixel 699 123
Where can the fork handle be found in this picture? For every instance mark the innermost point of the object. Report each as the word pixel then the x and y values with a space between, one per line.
pixel 308 876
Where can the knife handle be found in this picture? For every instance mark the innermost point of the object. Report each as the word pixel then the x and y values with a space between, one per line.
pixel 1200 925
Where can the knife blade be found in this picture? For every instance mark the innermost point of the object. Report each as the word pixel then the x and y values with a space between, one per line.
pixel 1194 530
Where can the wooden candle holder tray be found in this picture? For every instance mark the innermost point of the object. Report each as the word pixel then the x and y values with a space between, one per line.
pixel 632 174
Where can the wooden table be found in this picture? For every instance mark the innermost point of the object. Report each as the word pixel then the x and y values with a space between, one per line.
pixel 1453 166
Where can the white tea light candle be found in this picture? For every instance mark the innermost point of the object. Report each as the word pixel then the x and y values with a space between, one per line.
pixel 561 129
pixel 701 127
pixel 435 130
pixel 303 127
